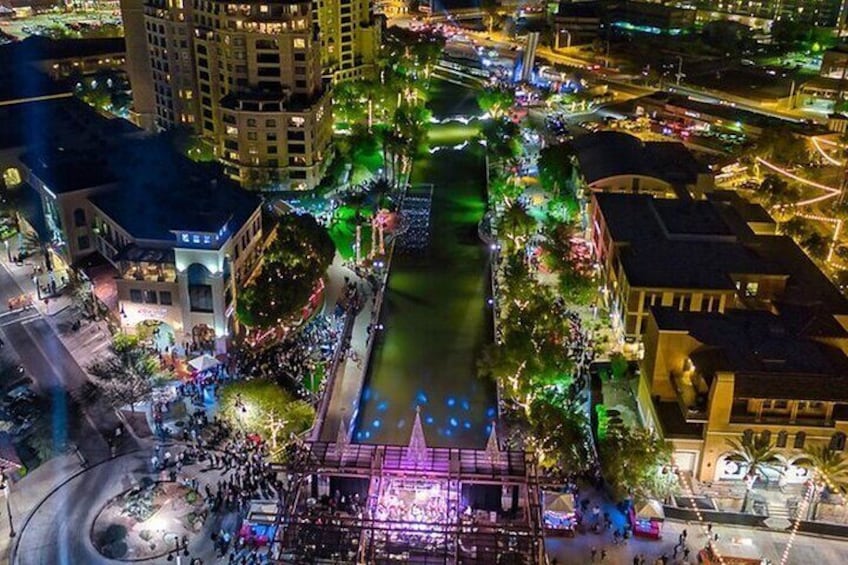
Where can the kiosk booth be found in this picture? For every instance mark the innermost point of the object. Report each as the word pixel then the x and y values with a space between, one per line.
pixel 647 519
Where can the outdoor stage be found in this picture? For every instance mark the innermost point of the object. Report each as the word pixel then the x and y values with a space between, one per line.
pixel 393 504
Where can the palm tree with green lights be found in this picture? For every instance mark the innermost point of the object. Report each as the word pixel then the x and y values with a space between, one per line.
pixel 517 224
pixel 758 454
pixel 830 471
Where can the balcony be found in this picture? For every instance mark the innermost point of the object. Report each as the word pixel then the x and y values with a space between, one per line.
pixel 692 393
pixel 145 264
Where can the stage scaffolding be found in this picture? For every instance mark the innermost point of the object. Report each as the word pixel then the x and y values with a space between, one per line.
pixel 312 534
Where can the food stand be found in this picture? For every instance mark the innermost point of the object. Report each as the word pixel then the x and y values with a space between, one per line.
pixel 560 516
pixel 647 519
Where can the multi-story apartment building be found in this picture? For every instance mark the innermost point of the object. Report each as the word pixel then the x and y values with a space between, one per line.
pixel 350 37
pixel 248 78
pixel 740 332
pixel 824 13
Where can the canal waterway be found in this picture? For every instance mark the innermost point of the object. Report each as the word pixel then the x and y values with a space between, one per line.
pixel 435 315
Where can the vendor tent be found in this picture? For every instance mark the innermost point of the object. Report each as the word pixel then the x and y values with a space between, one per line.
pixel 650 510
pixel 558 502
pixel 204 362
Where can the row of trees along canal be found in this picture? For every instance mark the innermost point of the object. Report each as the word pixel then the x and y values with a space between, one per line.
pixel 528 360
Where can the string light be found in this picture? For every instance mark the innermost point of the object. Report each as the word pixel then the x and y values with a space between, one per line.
pixel 688 486
pixel 831 192
pixel 802 508
pixel 822 152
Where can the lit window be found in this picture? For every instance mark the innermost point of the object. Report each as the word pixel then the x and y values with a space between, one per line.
pixel 184 238
pixel 195 238
pixel 12 177
pixel 299 43
pixel 232 130
pixel 207 239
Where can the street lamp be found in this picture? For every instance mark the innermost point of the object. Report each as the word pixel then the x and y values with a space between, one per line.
pixel 6 485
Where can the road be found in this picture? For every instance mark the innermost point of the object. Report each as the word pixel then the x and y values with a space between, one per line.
pixel 57 376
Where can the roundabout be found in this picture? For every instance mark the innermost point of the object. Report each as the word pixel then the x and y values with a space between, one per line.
pixel 145 521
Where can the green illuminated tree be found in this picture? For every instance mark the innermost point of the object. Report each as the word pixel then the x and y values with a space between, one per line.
pixel 556 169
pixel 298 256
pixel 637 463
pixel 496 101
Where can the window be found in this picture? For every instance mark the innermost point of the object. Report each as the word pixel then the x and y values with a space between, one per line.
pixel 12 177
pixel 135 295
pixel 200 298
pixel 195 238
pixel 184 238
pixel 747 436
pixel 251 123
pixel 150 297
pixel 251 136
pixel 79 217
pixel 165 298
pixel 800 438
pixel 83 243
pixel 837 441
pixel 765 436
pixel 751 289
pixel 270 123
pixel 781 439
pixel 270 137
pixel 299 43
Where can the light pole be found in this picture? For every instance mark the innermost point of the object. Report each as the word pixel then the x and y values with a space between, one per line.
pixel 679 69
pixel 6 486
pixel 180 550
pixel 8 251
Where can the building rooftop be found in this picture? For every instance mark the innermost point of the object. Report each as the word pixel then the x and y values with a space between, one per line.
pixel 60 123
pixel 160 192
pixel 41 48
pixel 771 355
pixel 706 244
pixel 606 154
pixel 64 171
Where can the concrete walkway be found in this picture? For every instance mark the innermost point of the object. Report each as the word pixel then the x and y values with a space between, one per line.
pixel 733 542
pixel 58 530
pixel 350 375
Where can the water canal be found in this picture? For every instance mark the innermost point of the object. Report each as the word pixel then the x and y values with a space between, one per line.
pixel 435 314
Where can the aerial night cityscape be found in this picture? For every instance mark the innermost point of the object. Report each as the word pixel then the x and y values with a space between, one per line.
pixel 424 282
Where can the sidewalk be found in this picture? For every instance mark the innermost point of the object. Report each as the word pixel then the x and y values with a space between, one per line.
pixel 733 542
pixel 350 375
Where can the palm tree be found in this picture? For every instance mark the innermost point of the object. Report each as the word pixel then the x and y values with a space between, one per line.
pixel 517 223
pixel 758 454
pixel 830 471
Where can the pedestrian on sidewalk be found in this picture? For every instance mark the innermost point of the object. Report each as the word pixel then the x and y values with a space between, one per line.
pixel 594 553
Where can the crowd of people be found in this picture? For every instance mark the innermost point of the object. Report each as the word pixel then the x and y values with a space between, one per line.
pixel 299 357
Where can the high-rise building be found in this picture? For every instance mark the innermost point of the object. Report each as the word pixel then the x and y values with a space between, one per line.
pixel 349 35
pixel 138 68
pixel 248 78
pixel 825 13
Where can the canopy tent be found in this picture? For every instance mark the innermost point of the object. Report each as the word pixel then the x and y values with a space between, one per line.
pixel 560 503
pixel 647 519
pixel 651 510
pixel 204 362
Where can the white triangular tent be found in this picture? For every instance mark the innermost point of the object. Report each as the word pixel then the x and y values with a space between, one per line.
pixel 417 450
pixel 559 503
pixel 204 362
pixel 651 510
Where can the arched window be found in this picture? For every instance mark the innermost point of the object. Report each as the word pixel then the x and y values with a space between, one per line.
pixel 79 217
pixel 781 438
pixel 800 438
pixel 765 436
pixel 837 441
pixel 747 436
